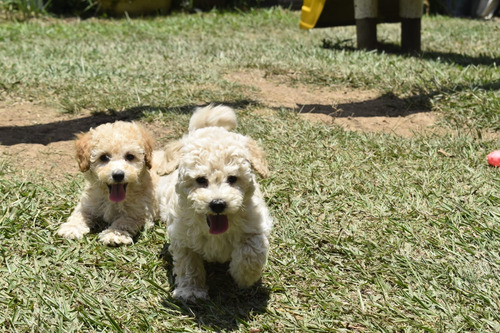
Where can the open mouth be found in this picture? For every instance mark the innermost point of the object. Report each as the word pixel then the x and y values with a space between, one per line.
pixel 218 224
pixel 117 192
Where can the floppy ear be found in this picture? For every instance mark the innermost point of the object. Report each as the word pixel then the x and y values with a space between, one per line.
pixel 257 158
pixel 169 158
pixel 82 145
pixel 149 144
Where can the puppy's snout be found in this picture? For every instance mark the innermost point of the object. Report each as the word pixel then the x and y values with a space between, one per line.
pixel 118 176
pixel 217 206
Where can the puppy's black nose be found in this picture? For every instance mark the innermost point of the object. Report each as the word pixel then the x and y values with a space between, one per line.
pixel 217 206
pixel 118 176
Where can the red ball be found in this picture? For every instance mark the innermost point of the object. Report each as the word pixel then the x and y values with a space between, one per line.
pixel 494 158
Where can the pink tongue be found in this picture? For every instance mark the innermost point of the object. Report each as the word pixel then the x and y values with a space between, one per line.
pixel 117 192
pixel 218 224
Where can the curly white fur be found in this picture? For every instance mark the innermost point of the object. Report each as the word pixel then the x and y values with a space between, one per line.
pixel 212 203
pixel 116 159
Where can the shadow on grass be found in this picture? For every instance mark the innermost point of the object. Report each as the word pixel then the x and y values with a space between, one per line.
pixel 392 48
pixel 67 129
pixel 390 105
pixel 227 307
pixel 387 105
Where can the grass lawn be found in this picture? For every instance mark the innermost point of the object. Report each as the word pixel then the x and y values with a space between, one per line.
pixel 373 232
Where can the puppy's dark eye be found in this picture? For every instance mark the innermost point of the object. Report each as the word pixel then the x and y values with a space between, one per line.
pixel 202 181
pixel 129 157
pixel 232 179
pixel 104 158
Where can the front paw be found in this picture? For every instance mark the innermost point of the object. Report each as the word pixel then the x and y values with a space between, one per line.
pixel 190 293
pixel 111 237
pixel 246 278
pixel 72 230
pixel 248 261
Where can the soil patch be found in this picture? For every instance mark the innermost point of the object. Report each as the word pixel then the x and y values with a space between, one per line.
pixel 359 110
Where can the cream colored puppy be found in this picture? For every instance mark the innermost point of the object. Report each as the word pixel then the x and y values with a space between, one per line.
pixel 212 203
pixel 116 159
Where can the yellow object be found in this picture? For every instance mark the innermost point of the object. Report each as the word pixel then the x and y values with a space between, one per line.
pixel 311 10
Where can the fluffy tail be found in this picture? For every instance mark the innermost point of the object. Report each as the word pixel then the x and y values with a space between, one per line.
pixel 218 116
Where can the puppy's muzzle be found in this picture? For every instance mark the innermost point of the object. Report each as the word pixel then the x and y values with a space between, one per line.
pixel 117 190
pixel 217 222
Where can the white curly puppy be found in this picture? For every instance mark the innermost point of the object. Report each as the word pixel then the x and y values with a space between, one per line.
pixel 212 203
pixel 116 159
